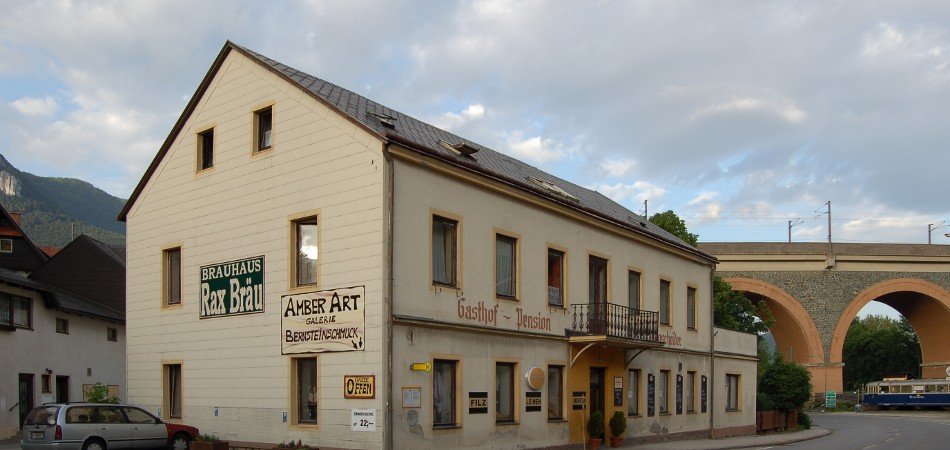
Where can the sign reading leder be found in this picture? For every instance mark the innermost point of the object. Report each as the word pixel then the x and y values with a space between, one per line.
pixel 232 288
pixel 323 321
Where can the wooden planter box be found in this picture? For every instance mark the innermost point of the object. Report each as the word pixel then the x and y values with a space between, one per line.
pixel 204 445
pixel 771 420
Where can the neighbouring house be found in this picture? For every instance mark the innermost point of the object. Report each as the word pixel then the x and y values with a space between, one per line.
pixel 62 322
pixel 307 264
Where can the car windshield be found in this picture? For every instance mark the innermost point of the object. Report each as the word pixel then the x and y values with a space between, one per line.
pixel 42 415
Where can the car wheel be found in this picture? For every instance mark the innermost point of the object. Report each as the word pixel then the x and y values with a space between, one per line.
pixel 94 444
pixel 180 442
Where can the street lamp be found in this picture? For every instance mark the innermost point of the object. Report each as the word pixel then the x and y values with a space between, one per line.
pixel 931 227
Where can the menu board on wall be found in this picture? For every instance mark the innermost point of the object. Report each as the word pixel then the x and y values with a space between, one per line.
pixel 651 395
pixel 679 394
pixel 702 394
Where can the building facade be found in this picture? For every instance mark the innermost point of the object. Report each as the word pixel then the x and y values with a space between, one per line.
pixel 58 338
pixel 307 264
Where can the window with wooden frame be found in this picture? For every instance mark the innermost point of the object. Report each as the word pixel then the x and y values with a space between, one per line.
pixel 306 247
pixel 633 289
pixel 633 392
pixel 6 245
pixel 444 251
pixel 171 263
pixel 46 384
pixel 444 387
pixel 62 325
pixel 555 277
pixel 555 392
pixel 306 395
pixel 16 312
pixel 732 392
pixel 504 392
pixel 597 280
pixel 689 385
pixel 663 392
pixel 206 149
pixel 263 128
pixel 172 390
pixel 112 334
pixel 691 308
pixel 664 302
pixel 506 266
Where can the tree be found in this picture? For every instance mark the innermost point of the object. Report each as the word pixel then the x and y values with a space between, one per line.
pixel 669 221
pixel 732 310
pixel 879 346
pixel 783 385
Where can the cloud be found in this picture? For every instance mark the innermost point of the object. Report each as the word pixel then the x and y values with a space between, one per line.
pixel 617 167
pixel 451 120
pixel 36 107
pixel 785 110
pixel 640 191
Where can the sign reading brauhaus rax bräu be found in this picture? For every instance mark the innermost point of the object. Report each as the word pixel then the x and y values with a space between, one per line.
pixel 323 321
pixel 232 288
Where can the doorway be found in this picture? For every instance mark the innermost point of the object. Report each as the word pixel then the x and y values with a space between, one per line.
pixel 62 389
pixel 598 390
pixel 26 395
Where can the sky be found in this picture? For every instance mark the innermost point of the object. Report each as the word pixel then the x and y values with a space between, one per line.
pixel 738 116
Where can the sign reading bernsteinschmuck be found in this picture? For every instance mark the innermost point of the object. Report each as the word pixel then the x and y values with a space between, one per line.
pixel 323 321
pixel 232 288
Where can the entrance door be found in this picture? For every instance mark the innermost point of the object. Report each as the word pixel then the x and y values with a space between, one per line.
pixel 598 390
pixel 26 395
pixel 62 389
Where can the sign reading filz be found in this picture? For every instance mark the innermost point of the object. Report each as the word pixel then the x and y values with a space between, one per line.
pixel 323 321
pixel 232 288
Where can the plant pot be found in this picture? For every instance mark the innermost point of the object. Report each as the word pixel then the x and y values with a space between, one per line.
pixel 205 445
pixel 615 441
pixel 593 444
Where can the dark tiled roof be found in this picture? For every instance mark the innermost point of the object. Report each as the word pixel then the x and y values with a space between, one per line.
pixel 376 117
pixel 88 268
pixel 821 248
pixel 60 299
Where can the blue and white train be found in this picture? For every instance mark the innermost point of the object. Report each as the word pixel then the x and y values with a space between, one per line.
pixel 906 393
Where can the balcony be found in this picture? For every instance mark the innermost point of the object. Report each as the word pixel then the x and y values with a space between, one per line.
pixel 614 324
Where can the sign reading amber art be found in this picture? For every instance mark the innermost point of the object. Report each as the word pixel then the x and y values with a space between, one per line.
pixel 323 321
pixel 359 386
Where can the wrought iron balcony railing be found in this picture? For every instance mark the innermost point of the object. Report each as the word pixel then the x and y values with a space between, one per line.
pixel 617 321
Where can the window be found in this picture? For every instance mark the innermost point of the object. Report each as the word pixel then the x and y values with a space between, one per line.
pixel 691 308
pixel 443 393
pixel 306 245
pixel 6 245
pixel 81 414
pixel 633 288
pixel 505 266
pixel 111 414
pixel 504 392
pixel 732 392
pixel 305 389
pixel 444 243
pixel 136 415
pixel 598 280
pixel 555 392
pixel 662 392
pixel 172 390
pixel 689 385
pixel 112 334
pixel 633 392
pixel 46 383
pixel 15 311
pixel 664 302
pixel 206 149
pixel 555 277
pixel 62 326
pixel 262 129
pixel 172 274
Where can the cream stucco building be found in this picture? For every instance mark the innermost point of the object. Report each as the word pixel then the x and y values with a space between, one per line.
pixel 304 263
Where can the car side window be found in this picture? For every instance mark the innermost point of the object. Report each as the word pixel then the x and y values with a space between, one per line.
pixel 111 414
pixel 80 414
pixel 136 415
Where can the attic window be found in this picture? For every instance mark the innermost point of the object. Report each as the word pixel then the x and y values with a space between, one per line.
pixel 384 119
pixel 463 149
pixel 553 188
pixel 6 245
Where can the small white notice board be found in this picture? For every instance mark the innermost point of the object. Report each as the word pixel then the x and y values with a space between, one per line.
pixel 363 420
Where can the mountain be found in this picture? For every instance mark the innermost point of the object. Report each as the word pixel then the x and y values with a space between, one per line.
pixel 55 208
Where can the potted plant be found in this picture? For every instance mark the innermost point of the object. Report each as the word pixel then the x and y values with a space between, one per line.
pixel 209 442
pixel 595 430
pixel 299 445
pixel 618 424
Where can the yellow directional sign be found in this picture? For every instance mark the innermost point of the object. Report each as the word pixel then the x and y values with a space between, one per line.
pixel 421 367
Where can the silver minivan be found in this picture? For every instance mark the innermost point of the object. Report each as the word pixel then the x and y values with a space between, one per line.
pixel 97 426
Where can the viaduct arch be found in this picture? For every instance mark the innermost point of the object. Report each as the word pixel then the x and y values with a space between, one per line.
pixel 816 290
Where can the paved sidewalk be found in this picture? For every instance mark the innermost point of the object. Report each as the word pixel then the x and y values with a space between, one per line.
pixel 766 440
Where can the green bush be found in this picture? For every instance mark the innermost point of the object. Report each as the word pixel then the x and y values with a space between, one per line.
pixel 100 394
pixel 207 438
pixel 785 384
pixel 595 425
pixel 618 424
pixel 804 422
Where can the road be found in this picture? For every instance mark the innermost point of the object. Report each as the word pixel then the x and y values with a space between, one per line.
pixel 880 431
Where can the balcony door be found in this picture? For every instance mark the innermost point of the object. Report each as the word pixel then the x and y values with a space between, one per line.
pixel 597 279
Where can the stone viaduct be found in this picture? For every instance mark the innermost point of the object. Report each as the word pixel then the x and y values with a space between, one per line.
pixel 815 290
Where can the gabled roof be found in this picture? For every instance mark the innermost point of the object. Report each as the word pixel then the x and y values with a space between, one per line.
pixel 61 299
pixel 15 231
pixel 392 126
pixel 88 268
